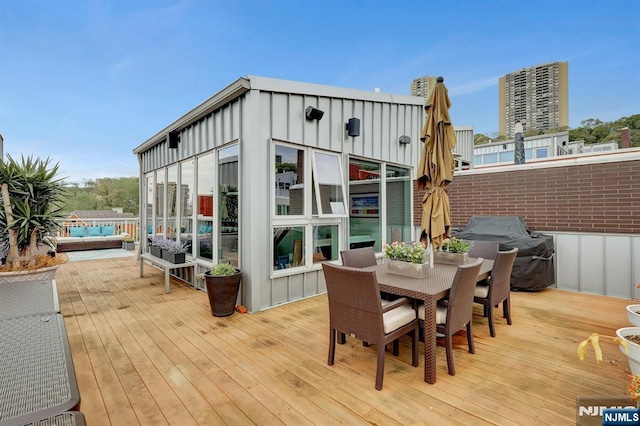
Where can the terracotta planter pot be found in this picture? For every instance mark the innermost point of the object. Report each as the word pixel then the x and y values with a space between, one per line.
pixel 223 293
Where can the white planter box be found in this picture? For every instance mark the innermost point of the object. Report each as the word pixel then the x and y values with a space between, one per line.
pixel 408 269
pixel 450 258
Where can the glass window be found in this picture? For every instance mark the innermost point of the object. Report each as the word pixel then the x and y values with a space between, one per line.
pixel 542 152
pixel 507 157
pixel 325 243
pixel 228 204
pixel 204 226
pixel 490 158
pixel 329 192
pixel 364 204
pixel 160 191
pixel 398 205
pixel 477 159
pixel 149 200
pixel 289 172
pixel 187 186
pixel 528 153
pixel 288 247
pixel 172 201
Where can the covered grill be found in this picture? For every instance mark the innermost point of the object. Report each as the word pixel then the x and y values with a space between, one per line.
pixel 533 268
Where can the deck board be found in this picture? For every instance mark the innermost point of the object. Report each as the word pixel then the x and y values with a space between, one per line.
pixel 145 357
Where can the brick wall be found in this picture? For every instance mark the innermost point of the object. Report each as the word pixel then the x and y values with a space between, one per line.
pixel 601 198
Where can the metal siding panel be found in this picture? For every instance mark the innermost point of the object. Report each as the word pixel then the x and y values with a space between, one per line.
pixel 592 264
pixel 296 126
pixel 338 134
pixel 311 283
pixel 618 274
pixel 278 105
pixel 395 116
pixel 568 262
pixel 296 287
pixel 279 290
pixel 323 136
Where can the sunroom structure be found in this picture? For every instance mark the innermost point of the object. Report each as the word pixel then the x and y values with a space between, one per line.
pixel 277 176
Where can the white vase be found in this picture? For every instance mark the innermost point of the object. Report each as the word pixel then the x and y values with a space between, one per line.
pixel 408 269
pixel 632 314
pixel 633 356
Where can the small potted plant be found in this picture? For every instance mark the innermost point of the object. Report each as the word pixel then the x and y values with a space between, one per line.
pixel 157 242
pixel 174 251
pixel 223 285
pixel 408 259
pixel 128 243
pixel 453 251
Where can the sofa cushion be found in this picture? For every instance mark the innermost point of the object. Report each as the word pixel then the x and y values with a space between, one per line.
pixel 77 231
pixel 93 231
pixel 107 230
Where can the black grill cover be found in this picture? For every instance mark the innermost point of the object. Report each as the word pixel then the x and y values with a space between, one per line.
pixel 533 268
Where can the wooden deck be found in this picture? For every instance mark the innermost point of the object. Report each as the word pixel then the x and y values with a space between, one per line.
pixel 145 357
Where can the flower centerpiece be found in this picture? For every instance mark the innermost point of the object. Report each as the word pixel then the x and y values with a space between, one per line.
pixel 453 251
pixel 408 259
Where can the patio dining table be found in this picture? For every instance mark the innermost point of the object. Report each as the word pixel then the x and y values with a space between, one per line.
pixel 430 289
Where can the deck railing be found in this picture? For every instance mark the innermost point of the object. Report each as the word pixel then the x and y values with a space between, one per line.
pixel 129 225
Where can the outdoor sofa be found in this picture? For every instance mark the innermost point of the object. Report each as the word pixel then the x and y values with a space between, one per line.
pixel 90 238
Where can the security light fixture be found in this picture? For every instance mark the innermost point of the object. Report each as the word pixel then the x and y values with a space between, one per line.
pixel 313 113
pixel 404 139
pixel 173 138
pixel 353 127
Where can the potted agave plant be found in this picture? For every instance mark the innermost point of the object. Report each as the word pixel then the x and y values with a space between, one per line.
pixel 223 286
pixel 31 206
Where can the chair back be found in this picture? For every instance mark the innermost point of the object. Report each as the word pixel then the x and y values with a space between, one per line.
pixel 460 308
pixel 484 249
pixel 354 302
pixel 359 258
pixel 500 279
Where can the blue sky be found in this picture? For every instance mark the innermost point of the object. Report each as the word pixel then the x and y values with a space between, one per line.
pixel 85 82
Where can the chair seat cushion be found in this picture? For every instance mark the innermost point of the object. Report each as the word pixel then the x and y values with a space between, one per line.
pixel 441 313
pixel 482 291
pixel 396 318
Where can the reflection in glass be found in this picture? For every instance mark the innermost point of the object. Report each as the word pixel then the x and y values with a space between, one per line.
pixel 187 186
pixel 160 194
pixel 289 180
pixel 228 204
pixel 205 182
pixel 325 243
pixel 288 247
pixel 364 204
pixel 149 201
pixel 172 200
pixel 398 209
pixel 327 174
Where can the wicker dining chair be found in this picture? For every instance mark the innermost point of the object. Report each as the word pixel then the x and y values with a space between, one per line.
pixel 355 308
pixel 457 312
pixel 497 288
pixel 484 249
pixel 359 258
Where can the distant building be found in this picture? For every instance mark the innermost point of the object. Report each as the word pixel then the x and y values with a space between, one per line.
pixel 423 87
pixel 537 96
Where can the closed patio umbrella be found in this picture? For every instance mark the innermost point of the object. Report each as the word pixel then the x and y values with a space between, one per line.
pixel 436 167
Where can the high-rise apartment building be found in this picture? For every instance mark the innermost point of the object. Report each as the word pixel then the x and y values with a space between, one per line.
pixel 423 87
pixel 537 96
